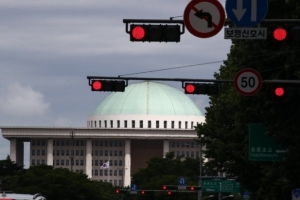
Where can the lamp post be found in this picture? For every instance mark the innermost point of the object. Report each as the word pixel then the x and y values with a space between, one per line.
pixel 200 172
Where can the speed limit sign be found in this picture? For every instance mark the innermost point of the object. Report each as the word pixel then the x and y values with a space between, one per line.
pixel 247 81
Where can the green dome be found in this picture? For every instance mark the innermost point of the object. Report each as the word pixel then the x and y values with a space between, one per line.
pixel 148 98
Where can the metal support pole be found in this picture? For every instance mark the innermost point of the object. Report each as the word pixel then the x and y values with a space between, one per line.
pixel 200 173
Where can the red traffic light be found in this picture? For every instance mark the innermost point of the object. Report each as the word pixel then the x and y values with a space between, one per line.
pixel 96 85
pixel 190 88
pixel 143 192
pixel 279 91
pixel 169 192
pixel 192 188
pixel 164 187
pixel 117 191
pixel 138 32
pixel 280 34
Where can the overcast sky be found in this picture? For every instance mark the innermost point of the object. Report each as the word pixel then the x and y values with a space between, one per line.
pixel 49 47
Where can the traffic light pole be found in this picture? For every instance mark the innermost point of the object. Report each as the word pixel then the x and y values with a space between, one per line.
pixel 200 173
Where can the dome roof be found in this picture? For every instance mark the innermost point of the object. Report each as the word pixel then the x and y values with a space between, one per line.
pixel 148 98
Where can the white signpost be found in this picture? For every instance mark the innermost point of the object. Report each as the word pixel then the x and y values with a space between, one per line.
pixel 247 82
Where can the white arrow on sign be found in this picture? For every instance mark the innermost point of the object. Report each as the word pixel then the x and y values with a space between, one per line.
pixel 239 11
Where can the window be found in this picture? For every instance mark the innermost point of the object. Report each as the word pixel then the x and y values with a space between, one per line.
pixel 115 182
pixel 120 163
pixel 67 162
pixel 115 162
pixel 141 123
pixel 105 123
pixel 96 172
pixel 120 172
pixel 133 124
pixel 179 124
pixel 57 152
pixel 116 153
pixel 101 152
pixel 62 162
pixel 82 143
pixel 100 143
pixel 43 152
pixel 111 124
pixel 67 143
pixel 186 125
pixel 82 153
pixel 77 162
pixel 115 143
pixel 192 154
pixel 111 143
pixel 105 172
pixel 118 123
pixel 106 143
pixel 38 162
pixel 111 153
pixel 67 152
pixel 101 172
pixel 125 123
pixel 172 124
pixel 120 153
pixel 95 124
pixel 165 124
pixel 91 124
pixel 110 172
pixel 187 154
pixel 149 124
pixel 62 143
pixel 111 163
pixel 77 153
pixel 57 162
pixel 33 143
pixel 99 123
pixel 96 163
pixel 32 162
pixel 120 143
pixel 53 152
pixel 43 162
pixel 38 143
pixel 43 143
pixel 33 152
pixel 197 154
pixel 96 152
pixel 81 162
pixel 106 153
pixel 120 183
pixel 62 152
pixel 157 124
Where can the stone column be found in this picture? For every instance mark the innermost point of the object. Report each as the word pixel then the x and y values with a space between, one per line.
pixel 50 152
pixel 88 159
pixel 127 167
pixel 166 148
pixel 17 151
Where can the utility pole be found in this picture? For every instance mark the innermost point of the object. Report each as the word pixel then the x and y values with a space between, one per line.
pixel 72 149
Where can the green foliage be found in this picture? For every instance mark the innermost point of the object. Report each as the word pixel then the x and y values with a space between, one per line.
pixel 8 168
pixel 226 128
pixel 58 184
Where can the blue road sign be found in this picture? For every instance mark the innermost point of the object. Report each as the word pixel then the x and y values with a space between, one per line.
pixel 181 181
pixel 296 194
pixel 133 187
pixel 246 13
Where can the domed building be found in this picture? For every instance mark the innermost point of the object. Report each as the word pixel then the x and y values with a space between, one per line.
pixel 126 129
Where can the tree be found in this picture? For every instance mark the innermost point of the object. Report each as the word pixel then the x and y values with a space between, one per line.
pixel 58 184
pixel 225 130
pixel 8 168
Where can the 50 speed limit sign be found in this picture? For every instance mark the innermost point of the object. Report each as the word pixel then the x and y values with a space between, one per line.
pixel 247 81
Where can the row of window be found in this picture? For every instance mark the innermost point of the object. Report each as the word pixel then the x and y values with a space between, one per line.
pixel 67 162
pixel 106 143
pixel 38 152
pixel 95 124
pixel 184 144
pixel 113 181
pixel 187 154
pixel 106 172
pixel 38 162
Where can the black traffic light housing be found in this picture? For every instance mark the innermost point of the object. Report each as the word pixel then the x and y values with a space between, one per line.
pixel 286 91
pixel 201 88
pixel 121 191
pixel 193 188
pixel 151 30
pixel 286 33
pixel 107 86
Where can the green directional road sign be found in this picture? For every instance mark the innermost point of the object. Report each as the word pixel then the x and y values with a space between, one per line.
pixel 217 185
pixel 263 147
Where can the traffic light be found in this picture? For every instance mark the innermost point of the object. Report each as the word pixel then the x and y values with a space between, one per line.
pixel 287 33
pixel 201 88
pixel 119 191
pixel 194 188
pixel 169 193
pixel 143 192
pixel 154 33
pixel 286 91
pixel 107 85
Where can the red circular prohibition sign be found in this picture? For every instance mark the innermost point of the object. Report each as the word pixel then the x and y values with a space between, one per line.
pixel 191 7
pixel 248 71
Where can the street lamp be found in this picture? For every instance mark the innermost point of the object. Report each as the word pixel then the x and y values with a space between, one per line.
pixel 226 197
pixel 210 196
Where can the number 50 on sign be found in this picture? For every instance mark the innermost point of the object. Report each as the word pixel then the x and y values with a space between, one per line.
pixel 247 81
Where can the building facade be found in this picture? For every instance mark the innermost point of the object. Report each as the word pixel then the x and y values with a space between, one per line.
pixel 126 129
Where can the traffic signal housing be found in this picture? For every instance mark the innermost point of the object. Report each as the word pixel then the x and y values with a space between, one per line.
pixel 107 86
pixel 120 191
pixel 286 33
pixel 154 33
pixel 154 30
pixel 194 188
pixel 282 91
pixel 201 88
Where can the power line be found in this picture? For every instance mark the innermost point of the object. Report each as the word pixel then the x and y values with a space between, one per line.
pixel 207 63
